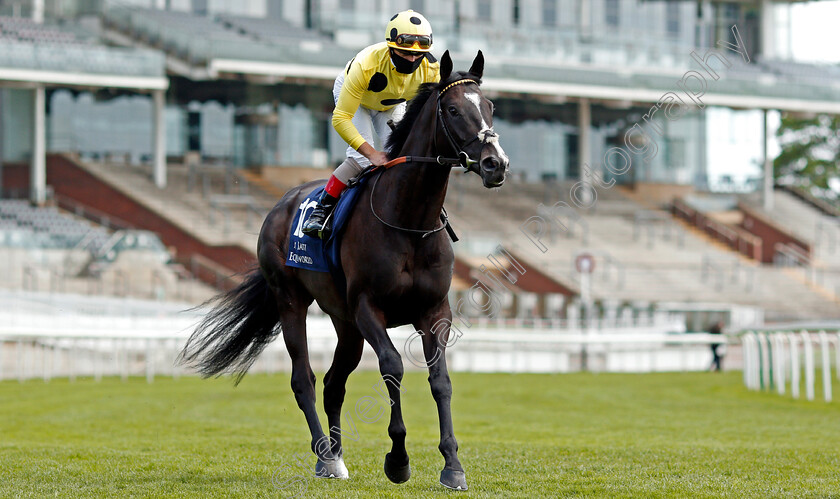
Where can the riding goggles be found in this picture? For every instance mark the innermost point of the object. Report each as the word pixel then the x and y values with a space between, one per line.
pixel 408 41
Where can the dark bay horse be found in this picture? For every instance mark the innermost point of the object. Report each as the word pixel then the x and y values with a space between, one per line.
pixel 397 268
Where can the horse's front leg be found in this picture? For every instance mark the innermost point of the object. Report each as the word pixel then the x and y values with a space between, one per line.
pixel 435 328
pixel 371 323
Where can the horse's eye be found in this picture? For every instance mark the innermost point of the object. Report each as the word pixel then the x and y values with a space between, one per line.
pixel 453 111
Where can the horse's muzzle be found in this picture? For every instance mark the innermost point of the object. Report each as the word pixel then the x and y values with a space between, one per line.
pixel 493 170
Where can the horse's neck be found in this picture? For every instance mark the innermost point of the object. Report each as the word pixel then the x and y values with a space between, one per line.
pixel 417 190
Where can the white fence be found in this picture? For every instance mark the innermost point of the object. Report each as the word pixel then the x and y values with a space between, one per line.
pixel 74 353
pixel 53 335
pixel 773 360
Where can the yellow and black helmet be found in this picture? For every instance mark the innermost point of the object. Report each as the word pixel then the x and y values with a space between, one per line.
pixel 409 31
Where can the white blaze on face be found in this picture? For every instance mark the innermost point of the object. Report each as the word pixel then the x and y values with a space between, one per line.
pixel 476 100
pixel 482 135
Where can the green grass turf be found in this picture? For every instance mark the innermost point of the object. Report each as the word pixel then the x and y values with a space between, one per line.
pixel 575 435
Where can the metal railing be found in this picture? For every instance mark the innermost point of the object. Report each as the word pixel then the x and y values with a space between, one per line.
pixel 790 255
pixel 827 230
pixel 737 239
pixel 91 214
pixel 728 273
pixel 207 270
pixel 558 214
pixel 648 221
pixel 224 203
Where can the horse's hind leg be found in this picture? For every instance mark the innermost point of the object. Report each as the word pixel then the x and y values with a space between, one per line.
pixel 348 353
pixel 293 322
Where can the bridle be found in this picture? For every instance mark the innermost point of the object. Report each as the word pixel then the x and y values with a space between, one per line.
pixel 463 160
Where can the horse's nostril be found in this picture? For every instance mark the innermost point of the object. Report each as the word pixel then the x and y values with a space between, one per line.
pixel 491 163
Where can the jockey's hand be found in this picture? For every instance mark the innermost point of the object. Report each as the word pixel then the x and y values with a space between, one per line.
pixel 377 158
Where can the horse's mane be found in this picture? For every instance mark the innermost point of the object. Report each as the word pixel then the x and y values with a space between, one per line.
pixel 399 135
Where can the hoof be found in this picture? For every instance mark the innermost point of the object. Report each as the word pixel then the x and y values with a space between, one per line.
pixel 397 473
pixel 331 469
pixel 452 479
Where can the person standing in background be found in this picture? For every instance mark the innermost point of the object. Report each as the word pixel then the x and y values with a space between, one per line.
pixel 717 348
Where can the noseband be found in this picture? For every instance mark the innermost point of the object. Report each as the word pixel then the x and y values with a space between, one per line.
pixel 484 136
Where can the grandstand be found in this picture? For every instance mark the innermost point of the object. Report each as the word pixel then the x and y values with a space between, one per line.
pixel 47 249
pixel 821 232
pixel 200 201
pixel 144 142
pixel 24 225
pixel 235 108
pixel 666 261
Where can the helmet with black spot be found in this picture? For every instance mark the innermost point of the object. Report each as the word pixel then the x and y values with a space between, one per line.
pixel 410 31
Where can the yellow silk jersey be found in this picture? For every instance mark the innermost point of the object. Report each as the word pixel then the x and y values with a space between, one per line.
pixel 371 80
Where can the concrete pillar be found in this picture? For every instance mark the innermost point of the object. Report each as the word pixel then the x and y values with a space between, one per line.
pixel 38 11
pixel 585 196
pixel 768 22
pixel 573 315
pixel 526 305
pixel 626 317
pixel 584 125
pixel 2 157
pixel 554 304
pixel 611 313
pixel 278 156
pixel 584 19
pixel 38 165
pixel 768 169
pixel 159 133
pixel 702 147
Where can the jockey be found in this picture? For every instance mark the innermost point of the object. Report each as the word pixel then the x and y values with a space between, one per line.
pixel 371 91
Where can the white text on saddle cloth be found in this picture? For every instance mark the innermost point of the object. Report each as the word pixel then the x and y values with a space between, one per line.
pixel 305 206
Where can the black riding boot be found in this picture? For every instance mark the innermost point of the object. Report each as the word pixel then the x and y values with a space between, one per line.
pixel 315 223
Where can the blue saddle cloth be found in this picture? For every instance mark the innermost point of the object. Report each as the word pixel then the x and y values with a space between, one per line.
pixel 312 253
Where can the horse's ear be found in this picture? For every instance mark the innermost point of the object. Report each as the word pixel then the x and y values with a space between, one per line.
pixel 477 67
pixel 445 66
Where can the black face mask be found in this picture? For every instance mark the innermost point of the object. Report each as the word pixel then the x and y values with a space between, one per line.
pixel 404 65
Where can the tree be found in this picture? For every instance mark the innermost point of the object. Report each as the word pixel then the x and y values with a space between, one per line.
pixel 810 156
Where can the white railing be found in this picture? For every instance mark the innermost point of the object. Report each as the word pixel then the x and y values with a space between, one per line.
pixel 64 335
pixel 773 360
pixel 43 351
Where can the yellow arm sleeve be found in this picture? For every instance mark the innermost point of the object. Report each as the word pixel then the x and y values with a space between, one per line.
pixel 349 99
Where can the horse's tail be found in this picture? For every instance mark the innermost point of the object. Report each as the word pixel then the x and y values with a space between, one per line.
pixel 241 324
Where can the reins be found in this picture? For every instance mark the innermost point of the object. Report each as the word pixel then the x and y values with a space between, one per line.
pixel 440 160
pixel 425 233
